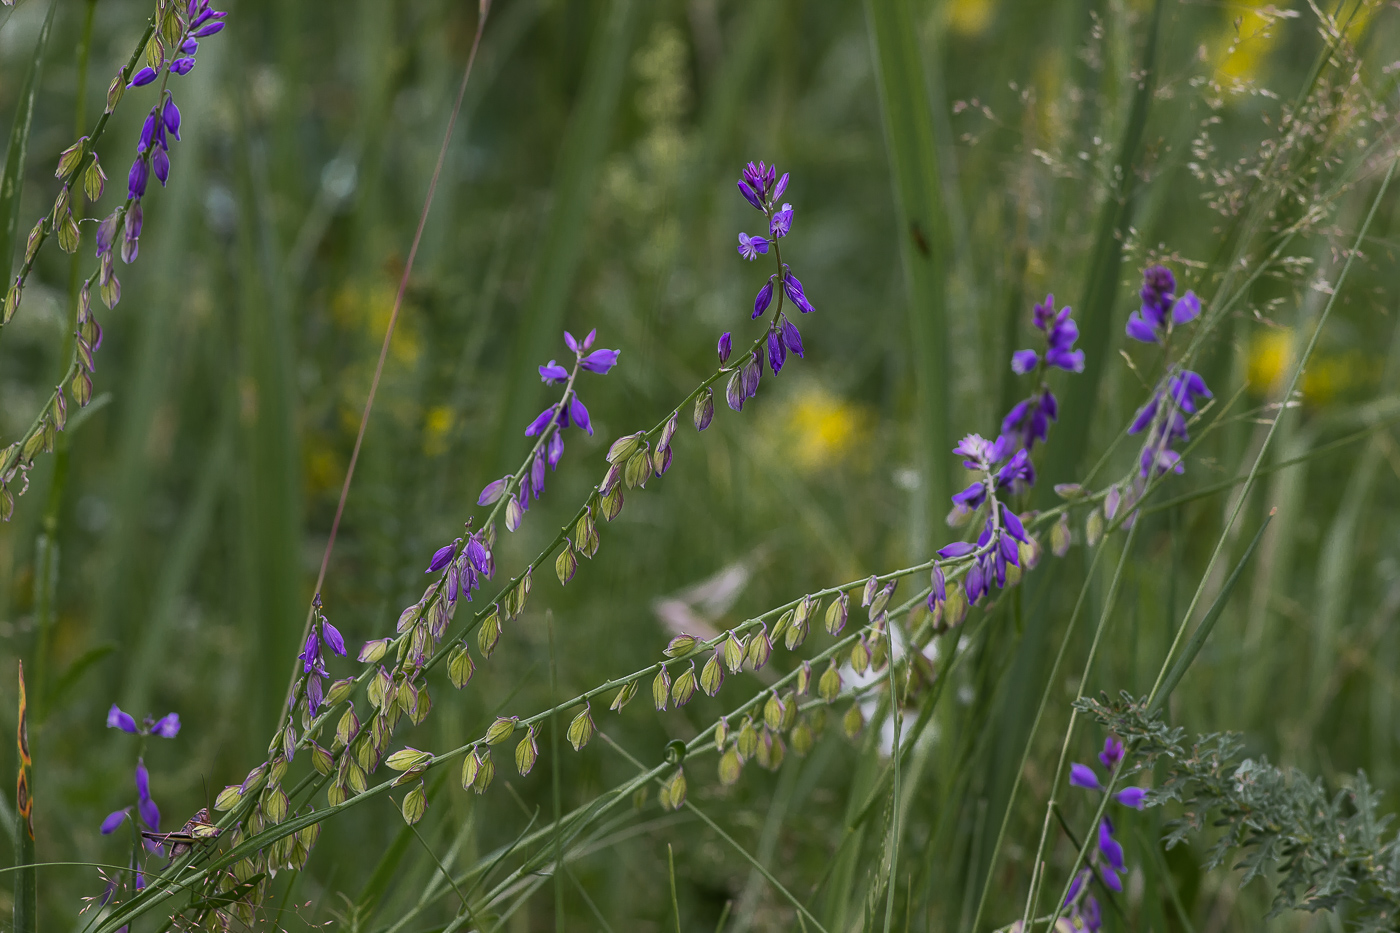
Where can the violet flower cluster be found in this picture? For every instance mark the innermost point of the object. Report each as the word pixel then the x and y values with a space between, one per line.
pixel 763 189
pixel 1004 465
pixel 1165 424
pixel 313 659
pixel 549 425
pixel 1109 851
pixel 153 145
pixel 167 727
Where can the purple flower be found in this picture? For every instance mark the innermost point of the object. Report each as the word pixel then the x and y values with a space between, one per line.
pixel 116 719
pixel 781 186
pixel 441 557
pixel 777 352
pixel 1111 880
pixel 479 557
pixel 1023 361
pixel 160 164
pixel 750 247
pixel 541 422
pixel 1187 307
pixel 793 287
pixel 143 77
pixel 170 115
pixel 580 416
pixel 1139 329
pixel 333 638
pixel 1111 848
pixel 781 222
pixel 136 179
pixel 493 491
pixel 1112 752
pixel 1132 797
pixel 114 819
pixel 600 361
pixel 938 586
pixel 168 726
pixel 311 654
pixel 726 345
pixel 150 813
pixel 1145 415
pixel 1083 776
pixel 556 449
pixel 763 299
pixel 182 66
pixel 1185 388
pixel 208 30
pixel 750 195
pixel 1014 528
pixel 791 336
pixel 148 131
pixel 107 232
pixel 956 549
pixel 1149 322
pixel 1075 886
pixel 553 373
pixel 972 497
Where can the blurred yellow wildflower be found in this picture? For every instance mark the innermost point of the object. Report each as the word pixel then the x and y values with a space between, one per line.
pixel 367 308
pixel 1271 360
pixel 970 17
pixel 816 430
pixel 436 427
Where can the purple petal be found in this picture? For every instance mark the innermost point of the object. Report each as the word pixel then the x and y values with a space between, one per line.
pixel 600 361
pixel 116 719
pixel 938 584
pixel 493 491
pixel 167 726
pixel 1083 776
pixel 143 780
pixel 113 820
pixel 208 30
pixel 956 549
pixel 1112 748
pixel 791 336
pixel 541 422
pixel 136 179
pixel 170 114
pixel 1186 308
pixel 777 352
pixel 781 186
pixel 748 194
pixel 556 450
pixel 1132 797
pixel 440 557
pixel 182 66
pixel 1023 361
pixel 143 77
pixel 553 373
pixel 579 413
pixel 1013 524
pixel 726 345
pixel 1110 847
pixel 793 286
pixel 763 299
pixel 1139 329
pixel 333 638
pixel 570 342
pixel 1111 880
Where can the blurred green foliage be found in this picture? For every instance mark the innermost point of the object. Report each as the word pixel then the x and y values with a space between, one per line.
pixel 163 557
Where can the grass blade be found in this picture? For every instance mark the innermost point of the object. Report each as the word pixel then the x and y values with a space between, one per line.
pixel 1198 637
pixel 921 231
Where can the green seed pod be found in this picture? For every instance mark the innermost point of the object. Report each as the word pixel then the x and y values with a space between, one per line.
pixel 489 634
pixel 581 729
pixel 624 696
pixel 747 743
pixel 679 645
pixel 684 687
pixel 228 798
pixel 347 728
pixel 638 469
pixel 837 612
pixel 423 708
pixel 721 733
pixel 624 447
pixel 405 759
pixel 94 180
pixel 733 653
pixel 773 712
pixel 82 389
pixel 373 651
pixel 611 504
pixel 771 751
pixel 661 690
pixel 796 634
pixel 712 675
pixel 115 90
pixel 1060 536
pixel 853 721
pixel 36 236
pixel 669 431
pixel 1070 491
pixel 829 687
pixel 672 796
pixel 68 236
pixel 955 606
pixel 70 158
pixel 783 622
pixel 11 301
pixel 460 667
pixel 731 766
pixel 274 804
pixel 802 739
pixel 1093 528
pixel 485 773
pixel 867 595
pixel 704 409
pixel 804 678
pixel 860 656
pixel 566 564
pixel 759 650
pixel 1029 552
pixel 881 600
pixel 501 729
pixel 470 766
pixel 321 759
pixel 339 690
pixel 415 804
pixel 526 753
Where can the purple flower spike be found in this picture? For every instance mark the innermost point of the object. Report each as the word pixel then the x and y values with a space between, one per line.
pixel 143 77
pixel 1083 776
pixel 441 557
pixel 748 194
pixel 116 719
pixel 1132 797
pixel 781 222
pixel 726 345
pixel 113 820
pixel 167 726
pixel 182 66
pixel 579 414
pixel 136 180
pixel 493 491
pixel 1112 752
pixel 763 299
pixel 791 336
pixel 1023 361
pixel 553 373
pixel 333 638
pixel 751 247
pixel 600 361
pixel 793 286
pixel 1187 307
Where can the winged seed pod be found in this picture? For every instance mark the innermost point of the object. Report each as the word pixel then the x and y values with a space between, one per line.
pixel 322 760
pixel 581 729
pixel 415 804
pixel 566 564
pixel 624 447
pixel 1093 528
pixel 684 687
pixel 680 645
pixel 661 689
pixel 802 739
pixel 489 634
pixel 460 667
pixel 338 691
pixel 526 753
pixel 638 469
pixel 955 606
pixel 347 728
pixel 624 696
pixel 485 773
pixel 373 651
pixel 228 798
pixel 501 729
pixel 783 622
pixel 881 600
pixel 837 612
pixel 611 503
